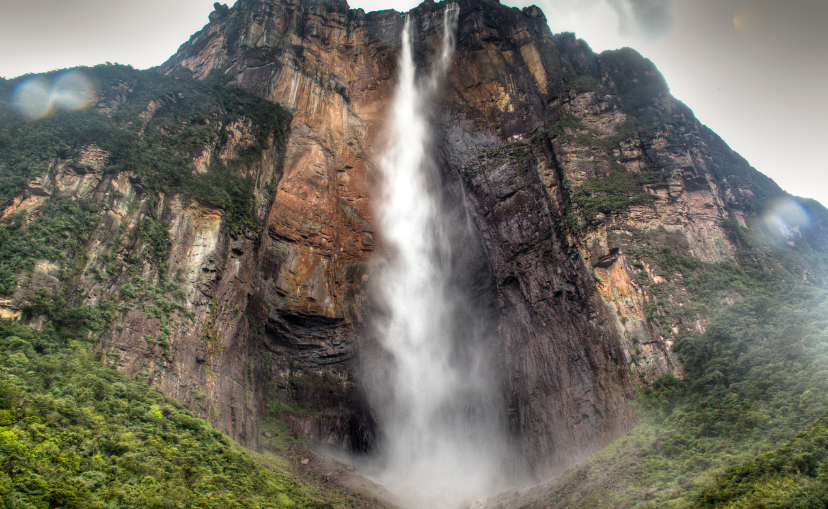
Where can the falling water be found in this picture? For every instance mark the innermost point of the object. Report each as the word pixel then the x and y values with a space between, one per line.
pixel 437 400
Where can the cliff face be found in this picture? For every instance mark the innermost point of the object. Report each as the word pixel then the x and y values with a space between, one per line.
pixel 564 366
pixel 575 169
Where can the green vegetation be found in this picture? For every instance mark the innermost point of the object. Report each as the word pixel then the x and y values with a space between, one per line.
pixel 613 192
pixel 220 188
pixel 567 121
pixel 58 232
pixel 191 115
pixel 637 79
pixel 276 407
pixel 76 434
pixel 68 322
pixel 639 86
pixel 188 116
pixel 793 476
pixel 755 377
pixel 154 235
pixel 516 150
pixel 584 83
pixel 706 285
pixel 210 333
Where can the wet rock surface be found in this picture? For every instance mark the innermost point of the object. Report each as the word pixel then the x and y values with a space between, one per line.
pixel 563 367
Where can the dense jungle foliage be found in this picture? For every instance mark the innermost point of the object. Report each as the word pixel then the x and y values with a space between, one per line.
pixel 75 433
pixel 757 374
pixel 754 378
pixel 793 476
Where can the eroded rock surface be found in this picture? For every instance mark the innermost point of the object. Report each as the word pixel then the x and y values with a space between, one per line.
pixel 564 364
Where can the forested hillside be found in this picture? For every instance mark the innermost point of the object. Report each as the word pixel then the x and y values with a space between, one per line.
pixel 75 433
pixel 752 380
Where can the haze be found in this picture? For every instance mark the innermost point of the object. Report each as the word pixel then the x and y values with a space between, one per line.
pixel 753 71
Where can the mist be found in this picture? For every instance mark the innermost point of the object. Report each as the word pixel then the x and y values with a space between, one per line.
pixel 438 401
pixel 652 19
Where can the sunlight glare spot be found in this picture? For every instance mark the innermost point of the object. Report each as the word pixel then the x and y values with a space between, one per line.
pixel 72 91
pixel 36 97
pixel 787 219
pixel 752 18
pixel 32 97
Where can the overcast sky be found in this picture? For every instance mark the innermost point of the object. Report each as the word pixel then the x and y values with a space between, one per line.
pixel 754 71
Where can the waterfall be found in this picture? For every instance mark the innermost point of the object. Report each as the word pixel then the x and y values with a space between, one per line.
pixel 437 401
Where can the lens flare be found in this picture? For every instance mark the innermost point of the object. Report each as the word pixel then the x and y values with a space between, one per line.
pixel 787 220
pixel 38 96
pixel 752 19
pixel 72 91
pixel 32 97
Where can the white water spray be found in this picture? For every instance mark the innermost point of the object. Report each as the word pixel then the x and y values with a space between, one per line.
pixel 437 401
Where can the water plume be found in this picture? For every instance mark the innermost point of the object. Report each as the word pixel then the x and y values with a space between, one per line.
pixel 436 398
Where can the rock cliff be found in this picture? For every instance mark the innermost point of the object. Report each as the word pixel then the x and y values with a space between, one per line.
pixel 565 368
pixel 575 170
